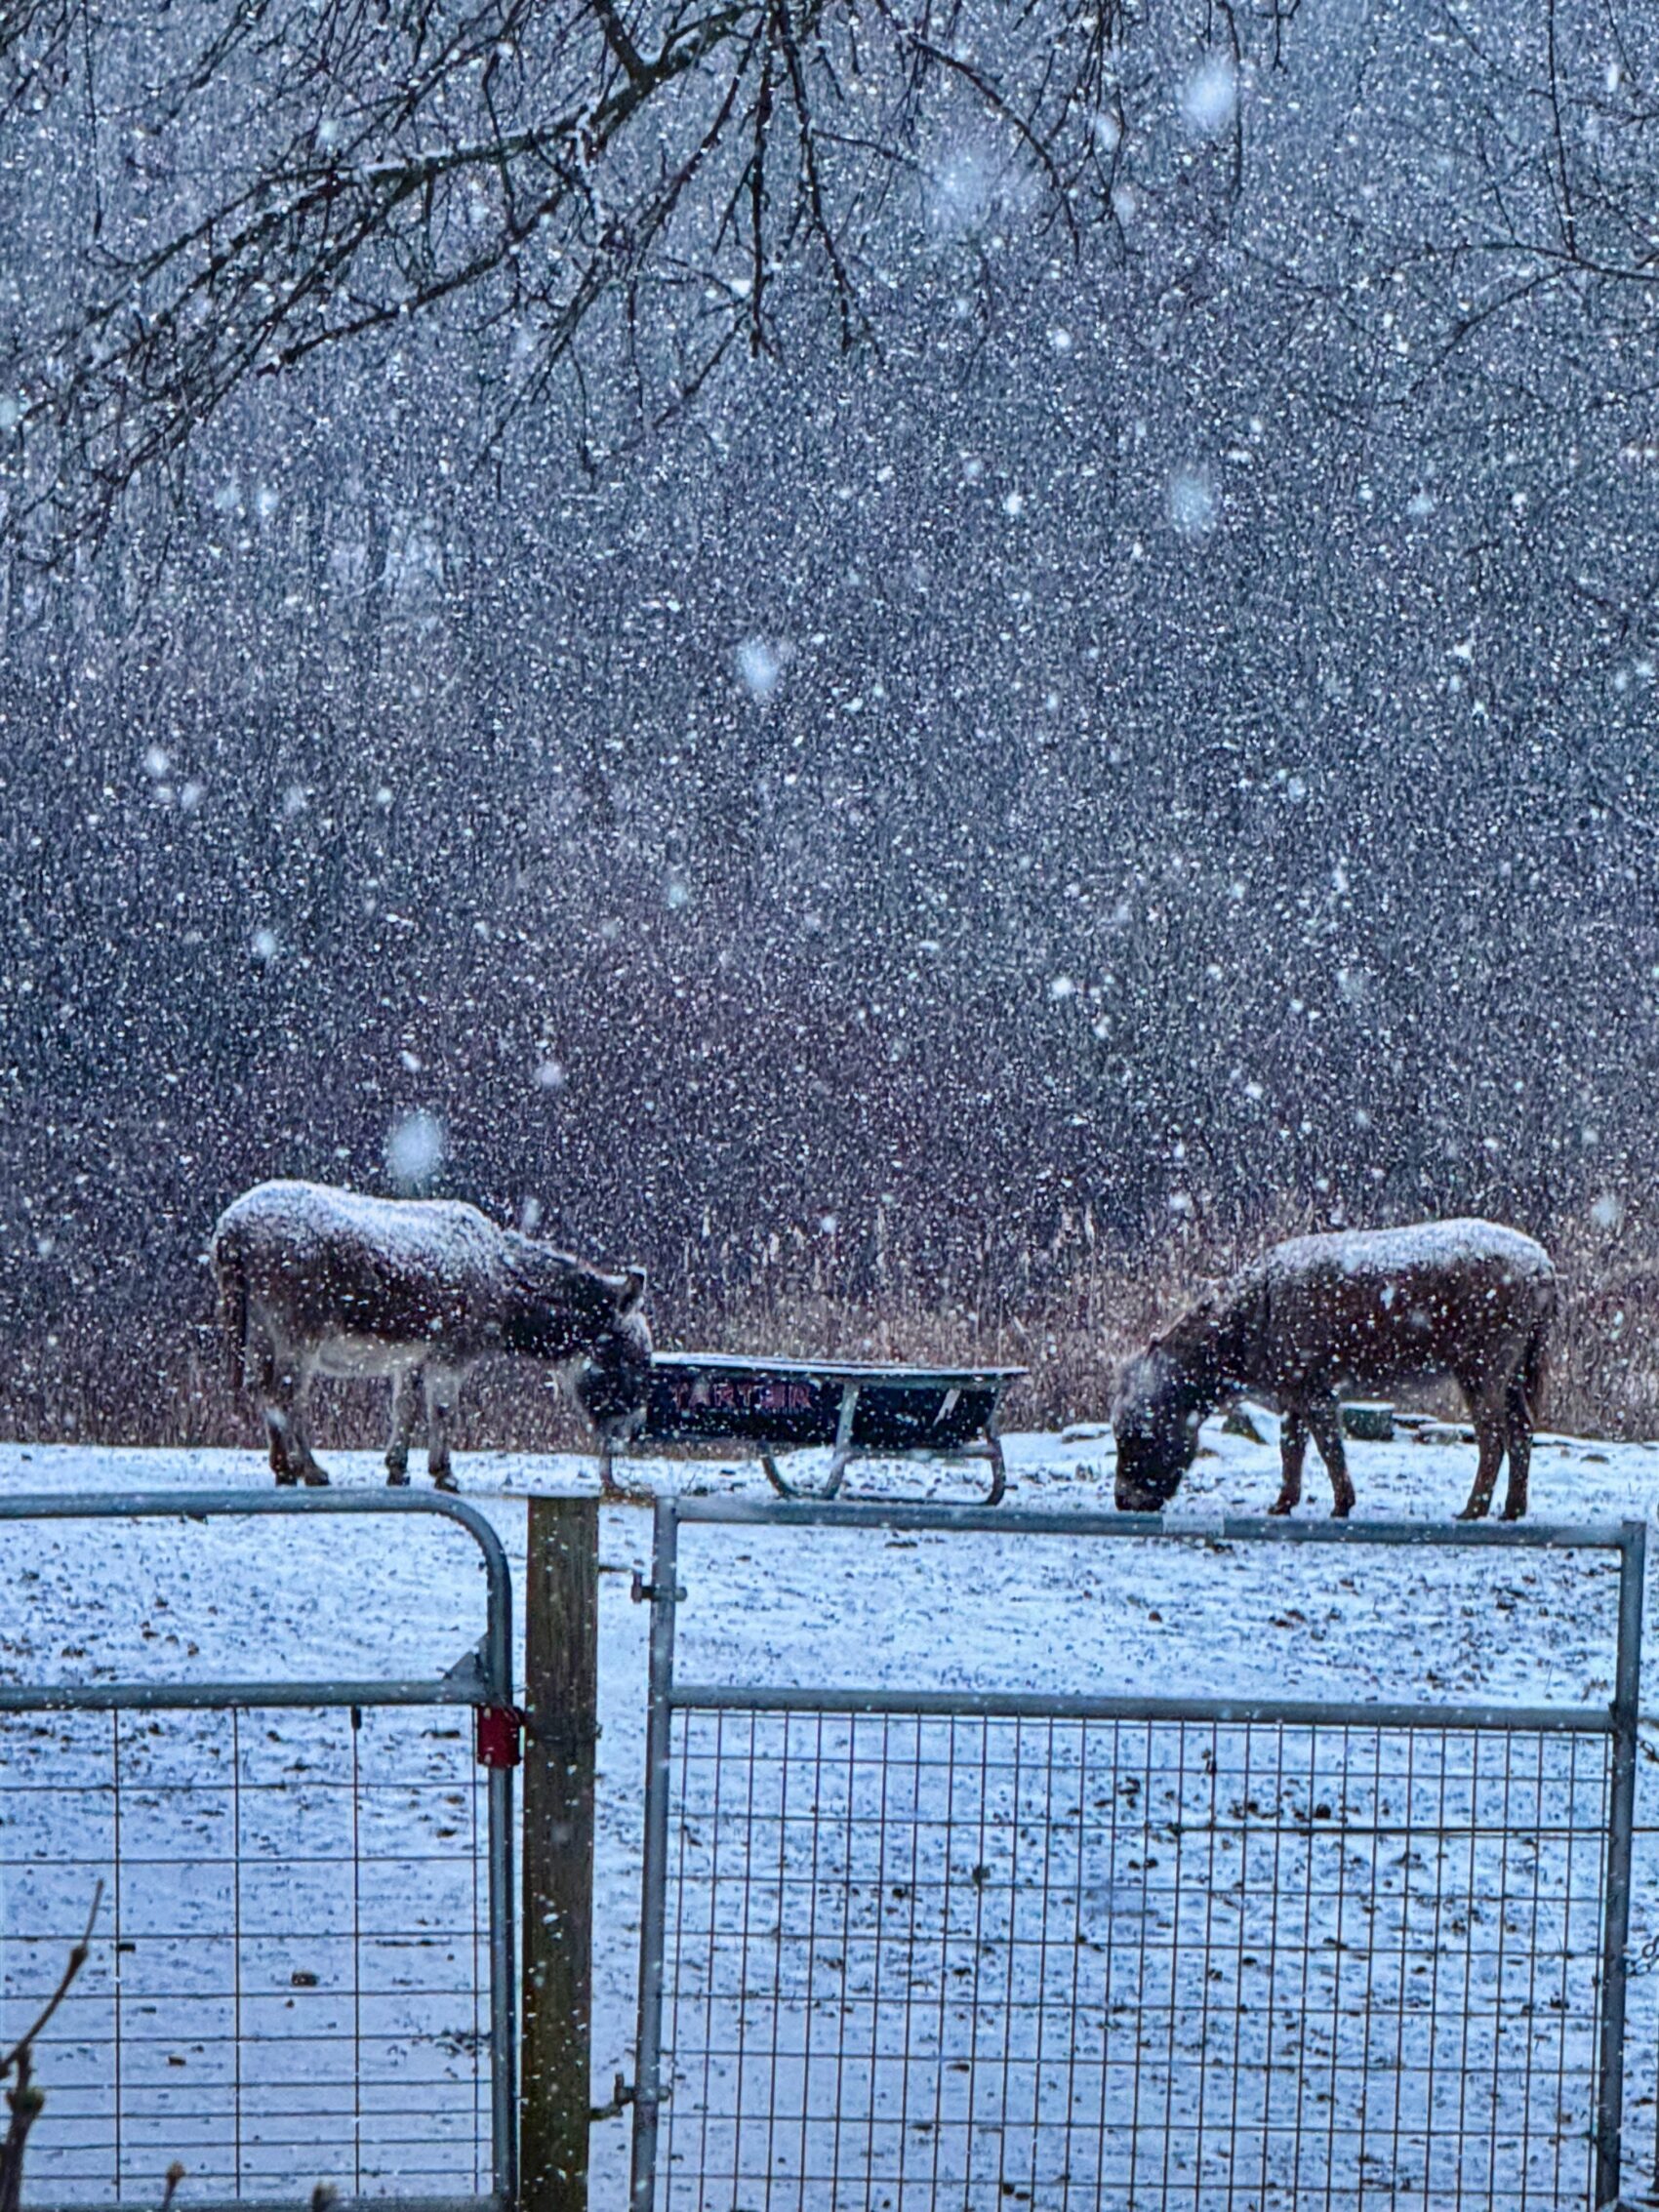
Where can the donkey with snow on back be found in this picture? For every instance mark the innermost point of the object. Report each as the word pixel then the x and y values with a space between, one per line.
pixel 313 1281
pixel 1467 1299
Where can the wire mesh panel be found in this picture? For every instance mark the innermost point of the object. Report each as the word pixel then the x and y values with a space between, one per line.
pixel 920 1960
pixel 299 1891
pixel 289 1977
pixel 908 1946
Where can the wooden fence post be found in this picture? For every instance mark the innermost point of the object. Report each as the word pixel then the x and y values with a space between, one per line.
pixel 561 1647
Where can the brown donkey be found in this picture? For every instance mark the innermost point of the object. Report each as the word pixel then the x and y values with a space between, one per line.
pixel 1364 1309
pixel 314 1281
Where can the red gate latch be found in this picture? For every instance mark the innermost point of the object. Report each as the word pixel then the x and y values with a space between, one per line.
pixel 500 1729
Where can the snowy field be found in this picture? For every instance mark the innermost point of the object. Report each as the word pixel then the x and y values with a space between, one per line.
pixel 812 1609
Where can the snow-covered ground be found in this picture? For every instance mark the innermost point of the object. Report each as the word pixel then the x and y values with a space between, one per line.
pixel 810 1608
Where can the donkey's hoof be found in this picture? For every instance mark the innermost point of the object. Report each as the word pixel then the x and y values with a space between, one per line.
pixel 397 1478
pixel 316 1480
pixel 445 1481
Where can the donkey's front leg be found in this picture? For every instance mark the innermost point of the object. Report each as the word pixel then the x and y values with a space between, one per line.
pixel 1325 1417
pixel 441 1386
pixel 405 1402
pixel 1292 1451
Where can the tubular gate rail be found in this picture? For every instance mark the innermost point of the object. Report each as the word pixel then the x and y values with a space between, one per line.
pixel 302 1965
pixel 905 1948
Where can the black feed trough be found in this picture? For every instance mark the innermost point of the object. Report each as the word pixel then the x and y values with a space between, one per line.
pixel 855 1411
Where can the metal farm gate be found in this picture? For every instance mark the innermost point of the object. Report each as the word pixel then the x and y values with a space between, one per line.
pixel 302 1964
pixel 907 1948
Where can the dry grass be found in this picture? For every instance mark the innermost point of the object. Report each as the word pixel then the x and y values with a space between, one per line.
pixel 155 1385
pixel 1604 1371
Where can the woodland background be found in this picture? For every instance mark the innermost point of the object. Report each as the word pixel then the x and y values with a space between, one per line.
pixel 933 738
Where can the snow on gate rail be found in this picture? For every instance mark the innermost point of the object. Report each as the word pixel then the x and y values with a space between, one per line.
pixel 909 1948
pixel 302 1968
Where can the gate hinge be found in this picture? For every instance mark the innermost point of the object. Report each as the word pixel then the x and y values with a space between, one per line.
pixel 622 2096
pixel 643 1592
pixel 499 1735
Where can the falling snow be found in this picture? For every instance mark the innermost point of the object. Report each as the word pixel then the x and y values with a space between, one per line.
pixel 1079 703
pixel 938 679
pixel 1193 503
pixel 761 666
pixel 414 1153
pixel 1210 97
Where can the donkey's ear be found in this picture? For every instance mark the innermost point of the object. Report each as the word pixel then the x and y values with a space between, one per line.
pixel 633 1290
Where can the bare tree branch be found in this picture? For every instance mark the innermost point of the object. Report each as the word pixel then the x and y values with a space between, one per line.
pixel 526 164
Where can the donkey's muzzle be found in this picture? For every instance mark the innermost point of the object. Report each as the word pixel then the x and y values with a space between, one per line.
pixel 1142 1498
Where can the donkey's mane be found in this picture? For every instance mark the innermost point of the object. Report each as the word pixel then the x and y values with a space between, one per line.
pixel 541 1271
pixel 1193 1329
pixel 1197 1340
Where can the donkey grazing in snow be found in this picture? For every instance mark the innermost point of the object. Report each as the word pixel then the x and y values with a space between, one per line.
pixel 313 1281
pixel 1467 1299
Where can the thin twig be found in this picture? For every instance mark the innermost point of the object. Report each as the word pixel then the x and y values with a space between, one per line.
pixel 24 2100
pixel 76 1960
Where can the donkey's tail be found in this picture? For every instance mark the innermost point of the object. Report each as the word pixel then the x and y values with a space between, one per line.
pixel 1534 1360
pixel 230 1274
